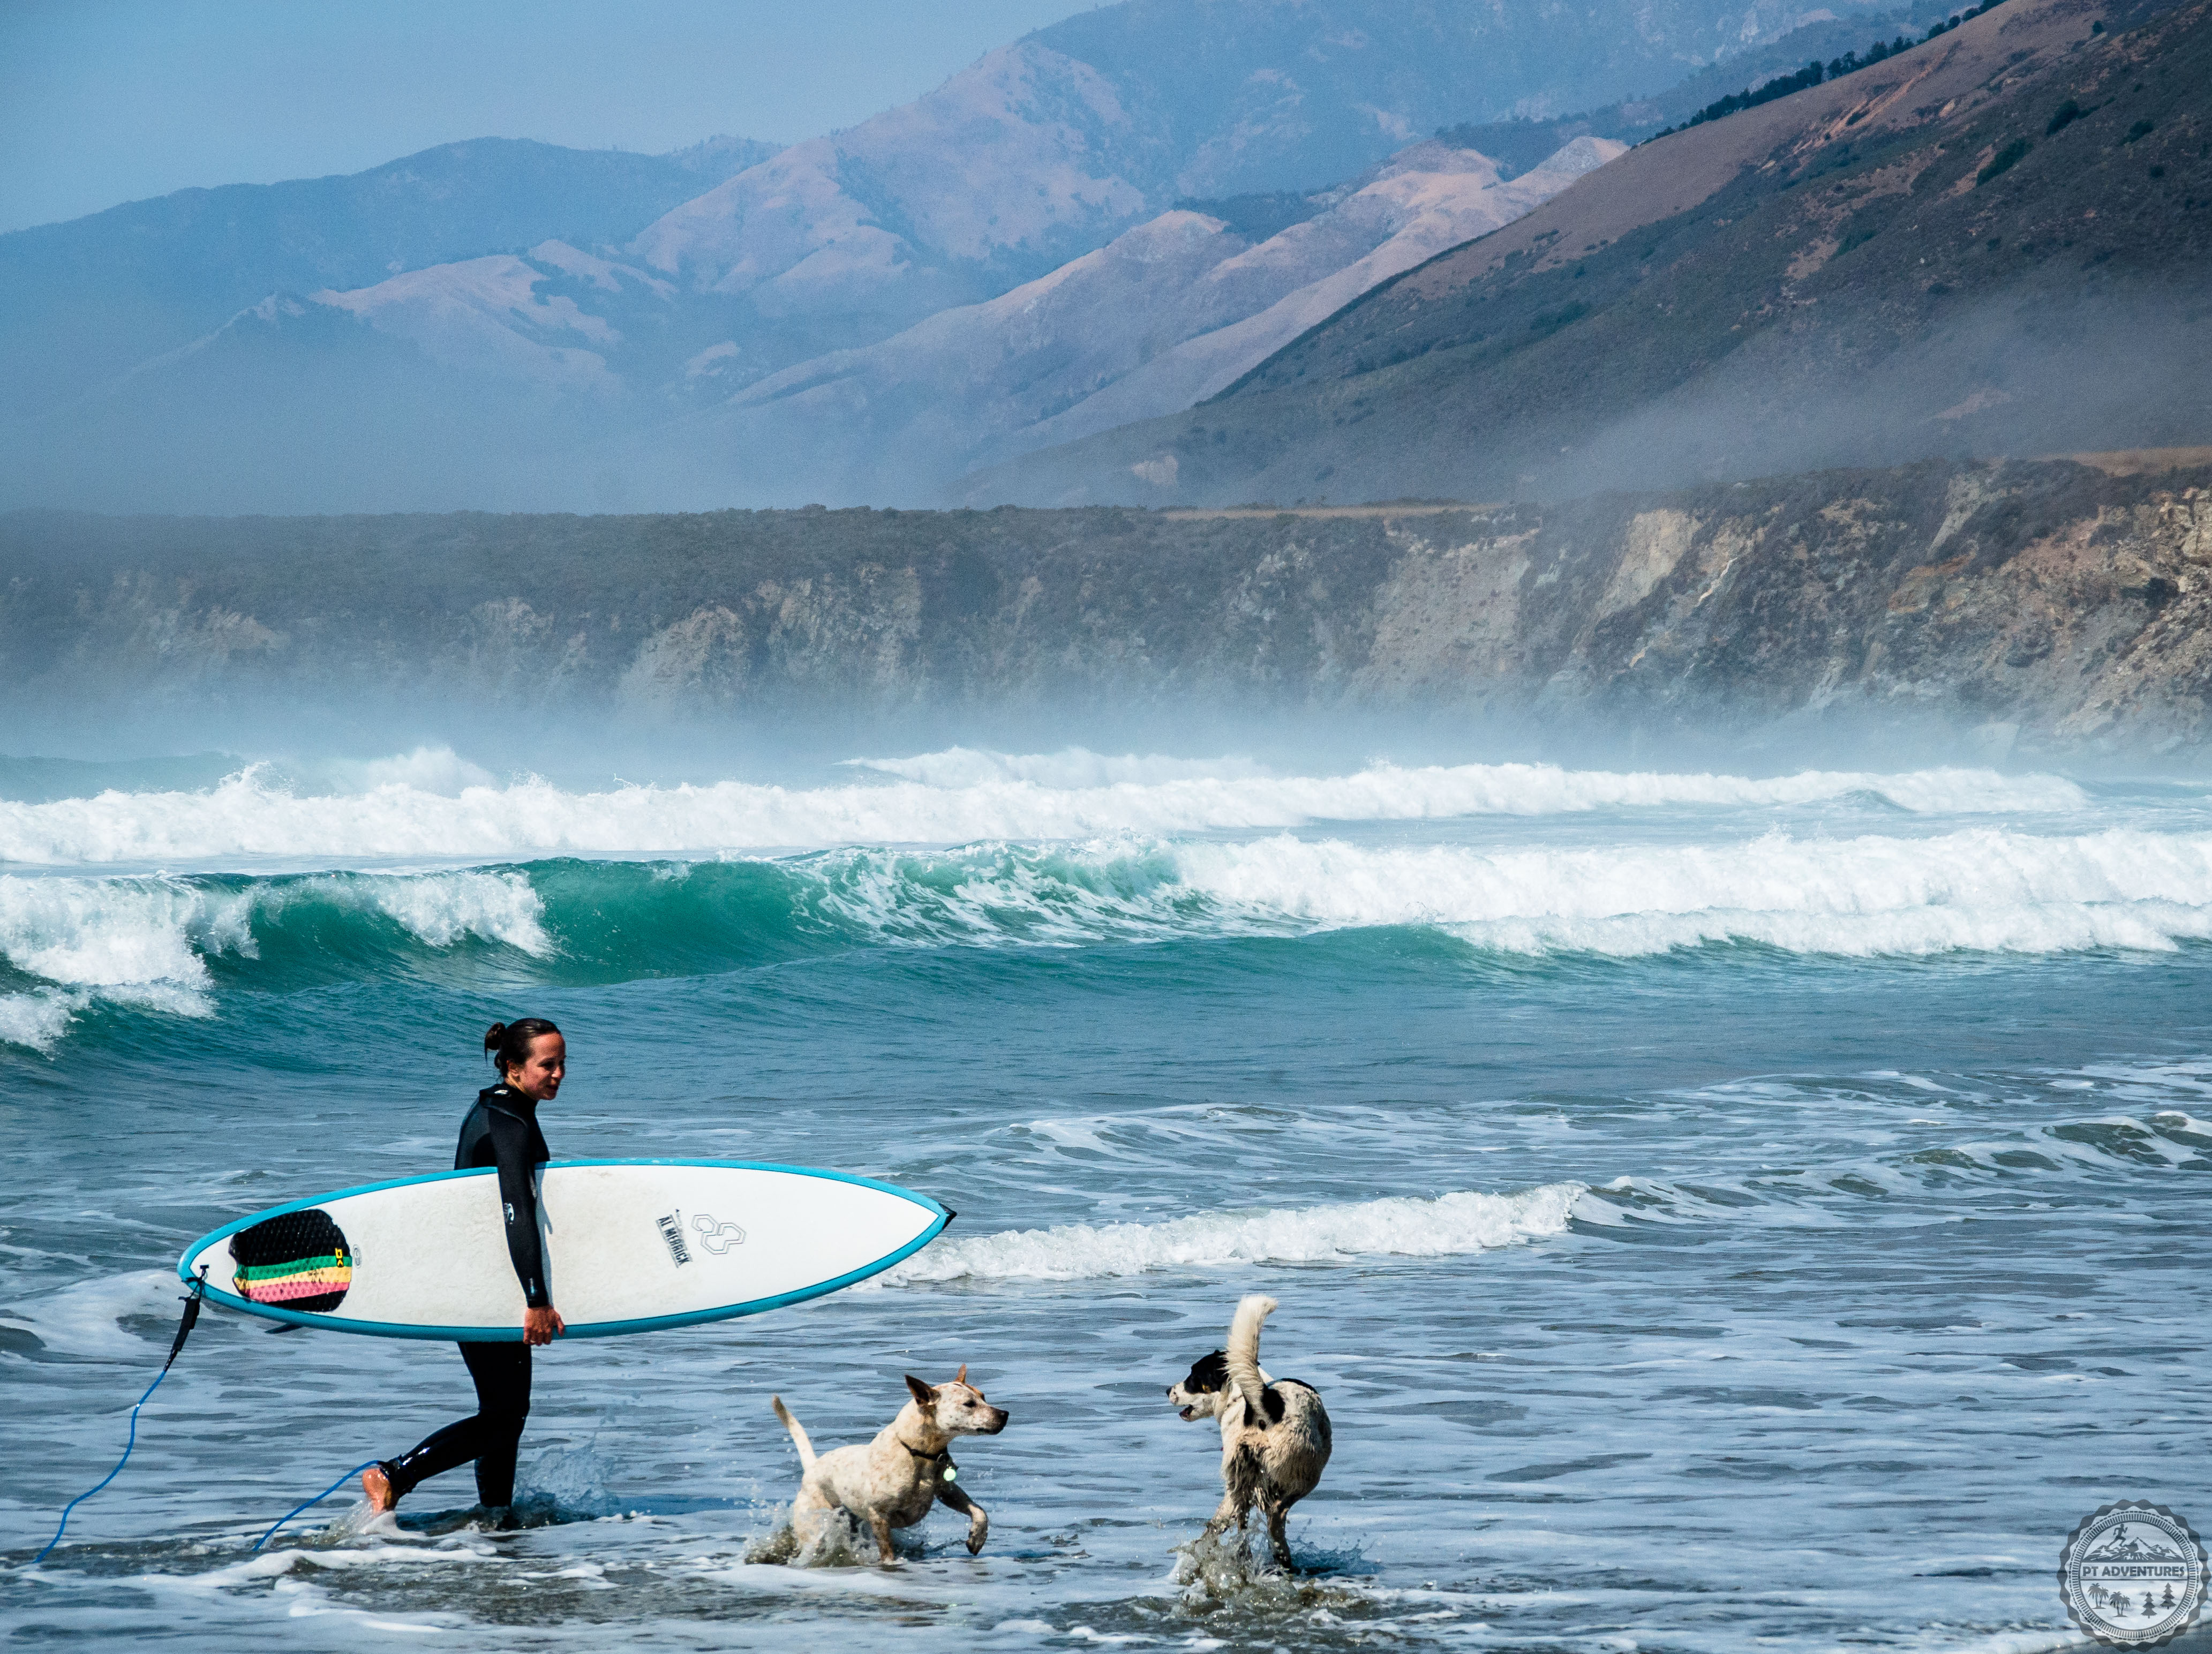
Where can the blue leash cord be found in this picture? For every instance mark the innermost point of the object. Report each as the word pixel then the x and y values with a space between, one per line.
pixel 110 1476
pixel 183 1330
pixel 316 1499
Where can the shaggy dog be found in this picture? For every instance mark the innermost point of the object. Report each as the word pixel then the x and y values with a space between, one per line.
pixel 894 1480
pixel 1274 1432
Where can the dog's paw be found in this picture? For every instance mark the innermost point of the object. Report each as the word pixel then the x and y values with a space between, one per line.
pixel 978 1532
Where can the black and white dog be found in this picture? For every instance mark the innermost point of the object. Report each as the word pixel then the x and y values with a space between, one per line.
pixel 1274 1432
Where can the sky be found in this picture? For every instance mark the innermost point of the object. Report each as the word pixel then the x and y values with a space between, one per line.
pixel 103 101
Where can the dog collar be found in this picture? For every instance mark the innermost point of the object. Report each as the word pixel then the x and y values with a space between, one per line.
pixel 943 1455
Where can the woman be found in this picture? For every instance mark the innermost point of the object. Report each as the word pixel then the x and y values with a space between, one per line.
pixel 500 1130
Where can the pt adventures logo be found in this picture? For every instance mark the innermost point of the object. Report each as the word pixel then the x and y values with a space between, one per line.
pixel 2133 1575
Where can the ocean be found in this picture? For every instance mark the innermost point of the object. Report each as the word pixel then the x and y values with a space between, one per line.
pixel 1720 1212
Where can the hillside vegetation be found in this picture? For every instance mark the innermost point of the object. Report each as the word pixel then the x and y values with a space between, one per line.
pixel 1994 242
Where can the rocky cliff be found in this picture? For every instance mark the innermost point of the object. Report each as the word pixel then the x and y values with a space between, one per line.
pixel 2063 603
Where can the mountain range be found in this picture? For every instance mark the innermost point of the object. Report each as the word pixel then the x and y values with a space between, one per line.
pixel 1993 242
pixel 502 324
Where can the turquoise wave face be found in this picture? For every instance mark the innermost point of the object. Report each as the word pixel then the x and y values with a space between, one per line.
pixel 175 943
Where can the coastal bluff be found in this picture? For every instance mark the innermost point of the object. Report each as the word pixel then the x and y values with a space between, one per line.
pixel 2061 602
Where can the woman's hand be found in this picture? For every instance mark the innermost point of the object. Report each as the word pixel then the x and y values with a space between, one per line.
pixel 542 1326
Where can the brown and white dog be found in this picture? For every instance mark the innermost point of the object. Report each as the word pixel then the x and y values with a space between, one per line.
pixel 1274 1432
pixel 893 1480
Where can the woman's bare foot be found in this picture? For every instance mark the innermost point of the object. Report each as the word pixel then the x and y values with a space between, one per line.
pixel 377 1487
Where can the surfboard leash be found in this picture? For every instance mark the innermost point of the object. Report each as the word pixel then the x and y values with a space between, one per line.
pixel 316 1499
pixel 186 1323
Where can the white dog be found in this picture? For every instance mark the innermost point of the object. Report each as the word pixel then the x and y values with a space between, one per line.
pixel 894 1480
pixel 1274 1432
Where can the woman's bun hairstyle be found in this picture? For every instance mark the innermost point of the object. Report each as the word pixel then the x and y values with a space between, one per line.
pixel 507 1043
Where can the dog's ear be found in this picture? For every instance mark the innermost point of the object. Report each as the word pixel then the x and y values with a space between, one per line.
pixel 922 1392
pixel 961 1377
pixel 1208 1372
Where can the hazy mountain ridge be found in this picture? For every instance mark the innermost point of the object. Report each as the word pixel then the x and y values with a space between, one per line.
pixel 1169 312
pixel 1313 94
pixel 94 297
pixel 1520 141
pixel 2059 604
pixel 489 315
pixel 1041 152
pixel 1850 274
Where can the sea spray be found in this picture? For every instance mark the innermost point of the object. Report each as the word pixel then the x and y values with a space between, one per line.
pixel 250 815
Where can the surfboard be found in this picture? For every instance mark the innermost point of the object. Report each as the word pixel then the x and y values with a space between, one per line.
pixel 630 1247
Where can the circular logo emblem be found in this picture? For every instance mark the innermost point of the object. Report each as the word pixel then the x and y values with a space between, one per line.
pixel 2133 1575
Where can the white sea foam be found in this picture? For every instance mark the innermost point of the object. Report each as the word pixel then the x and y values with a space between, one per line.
pixel 86 1318
pixel 146 942
pixel 426 769
pixel 250 816
pixel 1070 767
pixel 442 908
pixel 37 1020
pixel 1984 888
pixel 1447 1226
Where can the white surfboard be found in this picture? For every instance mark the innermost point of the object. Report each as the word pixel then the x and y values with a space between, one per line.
pixel 630 1247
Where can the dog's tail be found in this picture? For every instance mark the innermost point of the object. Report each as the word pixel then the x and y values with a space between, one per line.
pixel 1244 1356
pixel 798 1432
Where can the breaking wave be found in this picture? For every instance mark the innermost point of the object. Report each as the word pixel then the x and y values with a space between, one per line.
pixel 155 943
pixel 424 807
pixel 168 942
pixel 1450 1225
pixel 1984 889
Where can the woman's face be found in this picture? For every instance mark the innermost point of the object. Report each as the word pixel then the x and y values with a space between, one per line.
pixel 539 1075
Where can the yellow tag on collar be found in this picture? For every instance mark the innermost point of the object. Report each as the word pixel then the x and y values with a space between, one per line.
pixel 951 1472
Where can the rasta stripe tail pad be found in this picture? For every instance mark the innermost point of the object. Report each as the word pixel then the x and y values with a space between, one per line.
pixel 297 1261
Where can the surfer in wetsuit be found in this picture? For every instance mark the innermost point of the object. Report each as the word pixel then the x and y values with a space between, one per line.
pixel 501 1130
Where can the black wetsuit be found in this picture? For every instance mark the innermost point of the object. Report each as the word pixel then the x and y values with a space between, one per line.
pixel 500 1130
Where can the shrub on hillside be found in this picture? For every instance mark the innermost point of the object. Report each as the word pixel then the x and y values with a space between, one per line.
pixel 2004 161
pixel 2065 115
pixel 1815 72
pixel 1549 322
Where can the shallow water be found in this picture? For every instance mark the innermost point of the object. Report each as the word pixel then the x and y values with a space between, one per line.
pixel 1720 1214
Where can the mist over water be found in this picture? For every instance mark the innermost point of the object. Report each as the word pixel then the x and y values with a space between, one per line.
pixel 1721 1207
